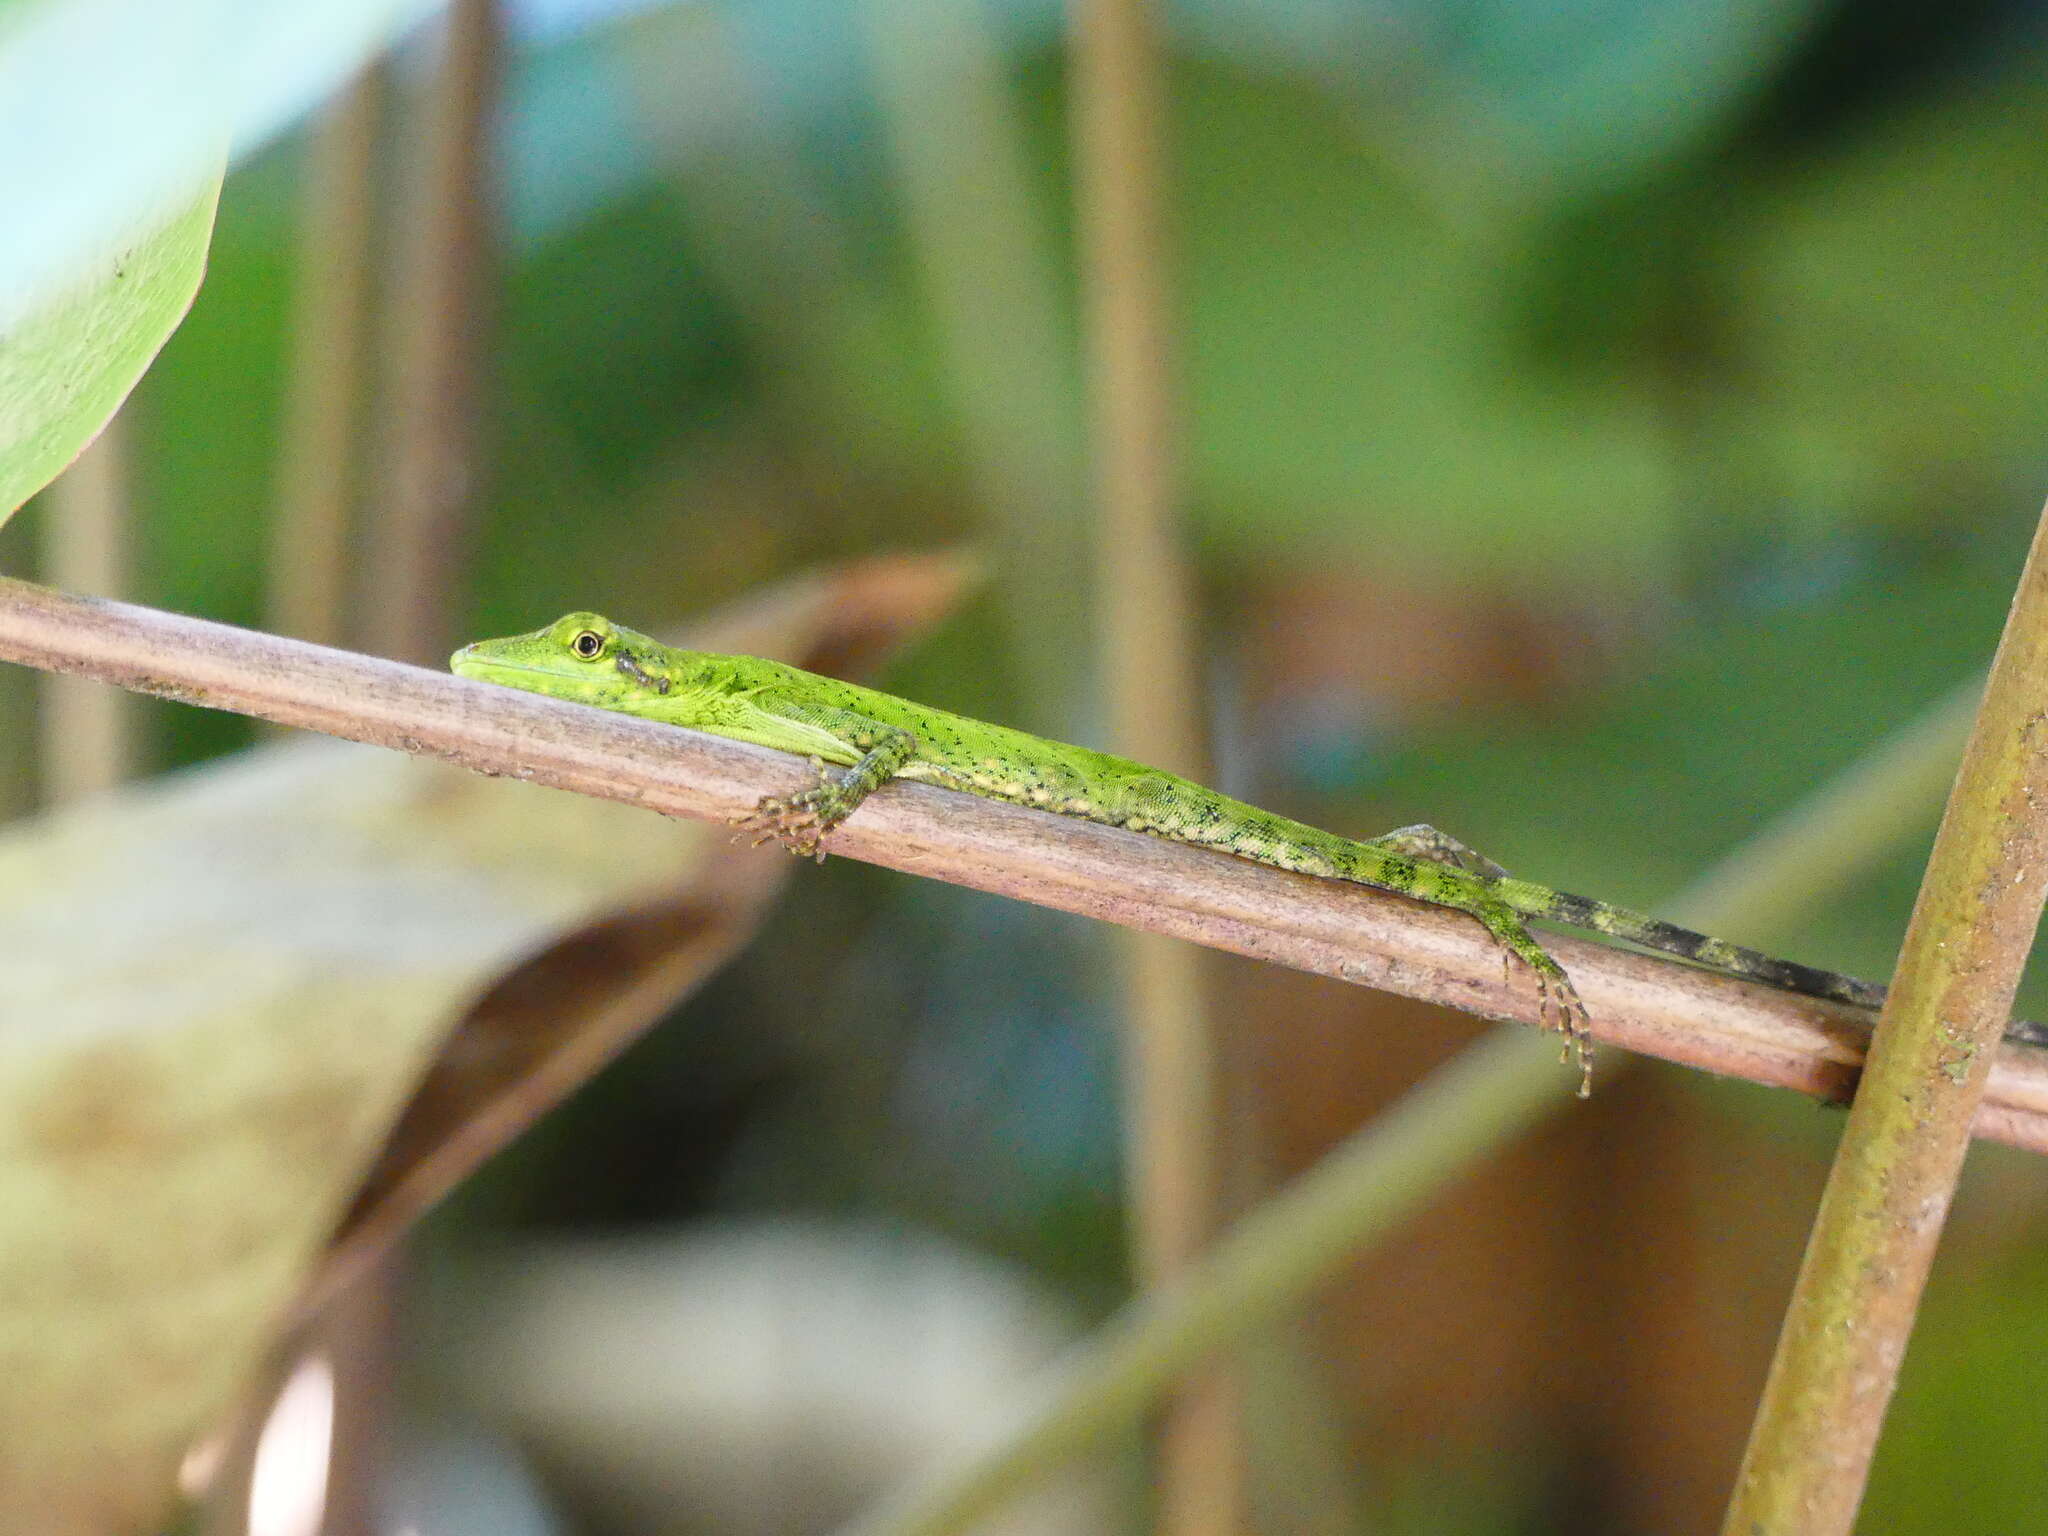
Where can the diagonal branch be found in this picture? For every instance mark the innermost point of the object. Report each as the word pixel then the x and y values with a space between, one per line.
pixel 1656 1007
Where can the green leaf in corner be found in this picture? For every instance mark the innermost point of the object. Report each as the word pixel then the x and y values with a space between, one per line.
pixel 69 360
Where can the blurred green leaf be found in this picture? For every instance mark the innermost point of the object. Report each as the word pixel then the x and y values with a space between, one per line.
pixel 1958 1452
pixel 1551 99
pixel 67 365
pixel 1352 368
pixel 127 103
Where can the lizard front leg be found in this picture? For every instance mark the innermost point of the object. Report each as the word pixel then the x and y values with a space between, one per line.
pixel 798 821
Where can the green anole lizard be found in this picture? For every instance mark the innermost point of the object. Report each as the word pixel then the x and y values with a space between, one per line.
pixel 875 737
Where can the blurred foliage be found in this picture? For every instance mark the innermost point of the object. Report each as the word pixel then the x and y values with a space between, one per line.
pixel 1695 350
pixel 68 363
pixel 1947 1456
pixel 116 110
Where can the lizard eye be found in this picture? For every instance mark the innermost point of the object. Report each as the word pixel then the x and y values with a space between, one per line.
pixel 588 644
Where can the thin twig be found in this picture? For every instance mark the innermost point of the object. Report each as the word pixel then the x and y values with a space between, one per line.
pixel 1147 640
pixel 1888 1193
pixel 1146 589
pixel 1656 1007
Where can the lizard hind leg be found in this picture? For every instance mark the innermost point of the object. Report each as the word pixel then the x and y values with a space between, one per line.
pixel 1556 997
pixel 1422 841
pixel 1555 994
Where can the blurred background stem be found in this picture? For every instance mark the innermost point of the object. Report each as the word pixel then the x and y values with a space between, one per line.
pixel 87 729
pixel 988 272
pixel 1149 655
pixel 320 458
pixel 439 337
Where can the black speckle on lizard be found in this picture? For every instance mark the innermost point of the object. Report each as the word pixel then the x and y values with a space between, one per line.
pixel 633 669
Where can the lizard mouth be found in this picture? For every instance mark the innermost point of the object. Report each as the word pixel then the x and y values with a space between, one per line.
pixel 463 664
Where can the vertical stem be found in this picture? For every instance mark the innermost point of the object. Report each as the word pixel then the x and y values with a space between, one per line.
pixel 437 346
pixel 1888 1193
pixel 1147 647
pixel 88 728
pixel 1173 1094
pixel 319 462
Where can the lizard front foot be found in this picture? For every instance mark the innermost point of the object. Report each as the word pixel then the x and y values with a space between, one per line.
pixel 798 821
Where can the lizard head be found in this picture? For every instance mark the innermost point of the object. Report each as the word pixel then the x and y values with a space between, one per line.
pixel 581 656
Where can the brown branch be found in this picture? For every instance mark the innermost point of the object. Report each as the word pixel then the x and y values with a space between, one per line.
pixel 1888 1193
pixel 1660 1008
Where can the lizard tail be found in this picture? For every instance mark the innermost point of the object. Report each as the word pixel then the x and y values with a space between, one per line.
pixel 1668 938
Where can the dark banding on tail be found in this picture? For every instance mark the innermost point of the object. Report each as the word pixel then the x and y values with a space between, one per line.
pixel 1716 954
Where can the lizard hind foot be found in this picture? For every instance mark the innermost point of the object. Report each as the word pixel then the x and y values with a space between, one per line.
pixel 1556 996
pixel 1558 1005
pixel 1577 1029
